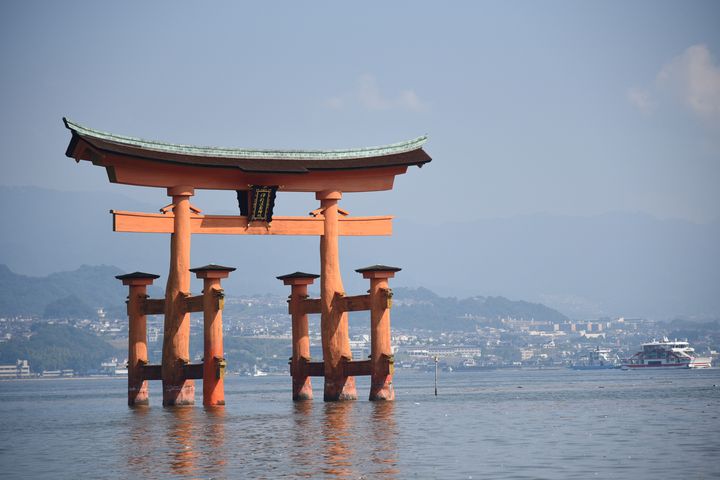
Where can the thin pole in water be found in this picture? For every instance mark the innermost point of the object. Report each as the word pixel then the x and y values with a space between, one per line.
pixel 436 365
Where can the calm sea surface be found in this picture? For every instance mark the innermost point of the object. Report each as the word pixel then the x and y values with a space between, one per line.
pixel 520 424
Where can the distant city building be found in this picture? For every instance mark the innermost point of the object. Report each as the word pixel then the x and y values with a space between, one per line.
pixel 443 352
pixel 20 370
pixel 58 373
pixel 526 354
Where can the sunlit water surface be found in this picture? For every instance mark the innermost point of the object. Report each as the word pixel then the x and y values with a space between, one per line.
pixel 512 424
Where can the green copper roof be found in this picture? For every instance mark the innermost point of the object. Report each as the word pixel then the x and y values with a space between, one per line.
pixel 245 153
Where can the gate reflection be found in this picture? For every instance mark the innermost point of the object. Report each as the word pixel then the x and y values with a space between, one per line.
pixel 337 440
pixel 384 435
pixel 182 452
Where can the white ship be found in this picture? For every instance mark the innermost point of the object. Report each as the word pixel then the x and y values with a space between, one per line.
pixel 667 354
pixel 597 359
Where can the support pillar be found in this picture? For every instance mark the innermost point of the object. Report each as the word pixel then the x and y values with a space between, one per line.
pixel 214 355
pixel 301 386
pixel 137 335
pixel 176 340
pixel 381 356
pixel 333 321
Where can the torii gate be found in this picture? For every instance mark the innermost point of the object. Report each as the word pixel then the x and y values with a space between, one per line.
pixel 256 175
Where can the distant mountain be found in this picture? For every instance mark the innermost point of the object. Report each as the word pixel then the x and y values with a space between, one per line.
pixel 54 347
pixel 75 294
pixel 612 264
pixel 421 308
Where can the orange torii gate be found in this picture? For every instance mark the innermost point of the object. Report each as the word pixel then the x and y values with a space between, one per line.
pixel 256 175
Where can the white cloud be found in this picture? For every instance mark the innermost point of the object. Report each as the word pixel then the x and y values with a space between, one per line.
pixel 367 95
pixel 691 79
pixel 334 103
pixel 695 79
pixel 641 98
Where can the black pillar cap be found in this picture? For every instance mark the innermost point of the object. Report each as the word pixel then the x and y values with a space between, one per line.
pixel 297 275
pixel 130 276
pixel 378 268
pixel 213 268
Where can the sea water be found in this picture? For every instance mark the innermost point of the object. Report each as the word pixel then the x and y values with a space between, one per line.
pixel 508 424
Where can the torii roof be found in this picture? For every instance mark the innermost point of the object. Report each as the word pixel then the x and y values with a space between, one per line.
pixel 111 151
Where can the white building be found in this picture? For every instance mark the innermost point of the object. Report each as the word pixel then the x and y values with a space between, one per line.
pixel 20 370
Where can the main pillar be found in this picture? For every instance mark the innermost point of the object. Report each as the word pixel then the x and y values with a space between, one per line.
pixel 176 341
pixel 214 356
pixel 333 321
pixel 381 356
pixel 137 335
pixel 301 386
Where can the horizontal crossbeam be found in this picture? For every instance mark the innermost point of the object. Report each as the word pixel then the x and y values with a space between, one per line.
pixel 355 303
pixel 194 304
pixel 139 222
pixel 191 371
pixel 152 372
pixel 308 305
pixel 156 306
pixel 352 368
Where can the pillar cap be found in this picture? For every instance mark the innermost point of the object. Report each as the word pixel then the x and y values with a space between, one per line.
pixel 378 271
pixel 298 278
pixel 137 278
pixel 213 267
pixel 212 270
pixel 185 190
pixel 328 195
pixel 378 268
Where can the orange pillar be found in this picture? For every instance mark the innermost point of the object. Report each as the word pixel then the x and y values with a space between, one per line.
pixel 301 386
pixel 381 356
pixel 176 340
pixel 214 356
pixel 137 335
pixel 333 322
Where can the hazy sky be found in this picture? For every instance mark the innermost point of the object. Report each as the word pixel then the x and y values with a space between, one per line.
pixel 571 108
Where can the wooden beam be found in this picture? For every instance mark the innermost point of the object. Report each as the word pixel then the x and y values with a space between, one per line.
pixel 355 368
pixel 193 371
pixel 140 222
pixel 356 303
pixel 310 305
pixel 154 306
pixel 152 372
pixel 194 304
pixel 315 369
pixel 352 368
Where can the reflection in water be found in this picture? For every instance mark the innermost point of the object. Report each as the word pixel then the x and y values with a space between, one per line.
pixel 304 441
pixel 352 440
pixel 82 429
pixel 138 459
pixel 213 439
pixel 384 434
pixel 337 440
pixel 183 457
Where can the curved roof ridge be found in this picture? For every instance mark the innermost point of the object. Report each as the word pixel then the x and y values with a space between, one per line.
pixel 205 151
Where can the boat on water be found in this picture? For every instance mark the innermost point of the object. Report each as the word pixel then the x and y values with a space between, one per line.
pixel 258 373
pixel 667 354
pixel 597 359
